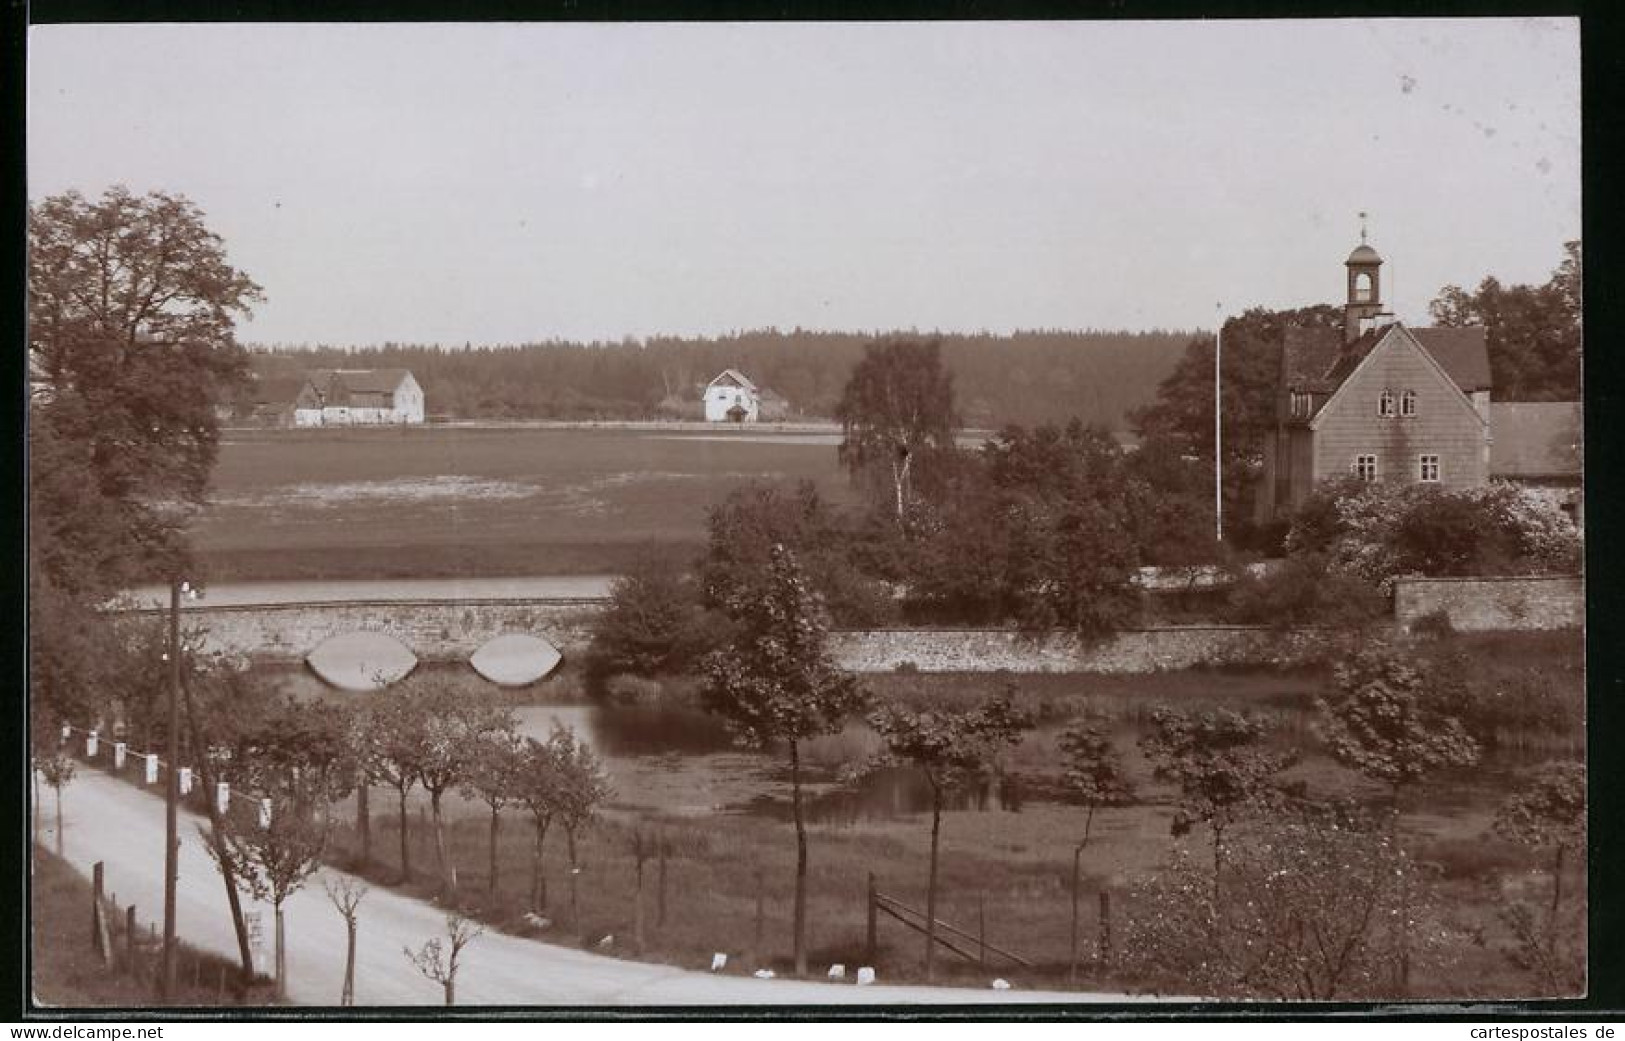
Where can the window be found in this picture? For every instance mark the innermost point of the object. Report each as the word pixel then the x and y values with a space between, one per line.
pixel 1300 403
pixel 1429 468
pixel 1407 403
pixel 1362 287
pixel 1365 467
pixel 1385 403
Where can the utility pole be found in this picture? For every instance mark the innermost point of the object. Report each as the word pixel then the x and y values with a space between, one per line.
pixel 172 792
pixel 1218 431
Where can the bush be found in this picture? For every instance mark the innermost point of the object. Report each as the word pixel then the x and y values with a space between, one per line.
pixel 1303 590
pixel 1380 531
pixel 654 625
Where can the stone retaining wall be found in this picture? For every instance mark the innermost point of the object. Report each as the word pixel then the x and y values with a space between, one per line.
pixel 1480 604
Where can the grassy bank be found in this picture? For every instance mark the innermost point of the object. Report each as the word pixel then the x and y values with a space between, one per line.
pixel 67 972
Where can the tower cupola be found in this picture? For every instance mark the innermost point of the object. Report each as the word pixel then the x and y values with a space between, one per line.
pixel 1364 289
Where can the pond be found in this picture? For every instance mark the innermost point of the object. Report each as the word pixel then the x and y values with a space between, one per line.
pixel 678 759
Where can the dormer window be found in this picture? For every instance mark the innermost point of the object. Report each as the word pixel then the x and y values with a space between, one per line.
pixel 1385 404
pixel 1407 403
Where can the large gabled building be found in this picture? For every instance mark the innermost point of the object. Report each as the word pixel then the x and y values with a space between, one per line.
pixel 1379 401
pixel 357 397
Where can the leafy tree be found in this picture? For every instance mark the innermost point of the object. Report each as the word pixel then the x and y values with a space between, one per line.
pixel 896 412
pixel 451 726
pixel 274 857
pixel 538 784
pixel 132 306
pixel 1093 776
pixel 582 788
pixel 775 684
pixel 396 739
pixel 496 760
pixel 1534 332
pixel 950 748
pixel 653 625
pixel 1301 917
pixel 742 532
pixel 1393 724
pixel 439 962
pixel 1215 758
pixel 1548 813
pixel 1180 420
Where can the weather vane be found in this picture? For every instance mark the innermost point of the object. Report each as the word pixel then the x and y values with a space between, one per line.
pixel 1362 227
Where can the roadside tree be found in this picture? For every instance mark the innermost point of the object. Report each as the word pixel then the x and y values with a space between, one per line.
pixel 273 855
pixel 439 962
pixel 582 788
pixel 496 762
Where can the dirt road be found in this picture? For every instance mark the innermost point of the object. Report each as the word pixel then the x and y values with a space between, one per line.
pixel 123 826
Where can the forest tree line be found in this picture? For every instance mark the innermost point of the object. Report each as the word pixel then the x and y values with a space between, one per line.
pixel 1025 377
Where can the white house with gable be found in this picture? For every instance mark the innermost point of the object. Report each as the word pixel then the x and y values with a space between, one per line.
pixel 358 397
pixel 732 398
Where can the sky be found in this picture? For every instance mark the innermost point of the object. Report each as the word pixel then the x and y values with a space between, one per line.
pixel 502 183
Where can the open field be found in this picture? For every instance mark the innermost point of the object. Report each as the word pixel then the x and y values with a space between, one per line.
pixel 435 502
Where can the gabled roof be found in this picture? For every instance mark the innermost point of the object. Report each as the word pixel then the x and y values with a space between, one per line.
pixel 1356 353
pixel 1536 439
pixel 1463 352
pixel 733 376
pixel 358 381
pixel 1316 359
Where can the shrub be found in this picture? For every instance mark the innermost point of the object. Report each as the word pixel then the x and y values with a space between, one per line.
pixel 654 624
pixel 1303 590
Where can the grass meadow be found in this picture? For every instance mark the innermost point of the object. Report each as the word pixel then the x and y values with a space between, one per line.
pixel 438 502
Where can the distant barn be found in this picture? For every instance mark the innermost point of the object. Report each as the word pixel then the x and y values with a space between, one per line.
pixel 358 397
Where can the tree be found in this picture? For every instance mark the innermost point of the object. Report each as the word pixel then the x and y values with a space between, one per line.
pixel 346 893
pixel 1548 813
pixel 896 412
pixel 273 856
pixel 1301 917
pixel 950 748
pixel 439 962
pixel 396 740
pixel 1181 417
pixel 1216 759
pixel 1392 723
pixel 1534 333
pixel 581 788
pixel 496 760
pixel 132 307
pixel 742 532
pixel 653 625
pixel 452 723
pixel 537 787
pixel 1094 776
pixel 775 683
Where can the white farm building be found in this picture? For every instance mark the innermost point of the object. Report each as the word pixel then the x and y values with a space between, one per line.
pixel 732 398
pixel 358 397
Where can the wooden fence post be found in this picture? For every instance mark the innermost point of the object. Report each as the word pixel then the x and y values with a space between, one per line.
pixel 756 946
pixel 981 930
pixel 660 893
pixel 99 934
pixel 869 946
pixel 129 940
pixel 1105 927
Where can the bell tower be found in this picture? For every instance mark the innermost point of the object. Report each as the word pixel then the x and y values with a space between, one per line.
pixel 1365 288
